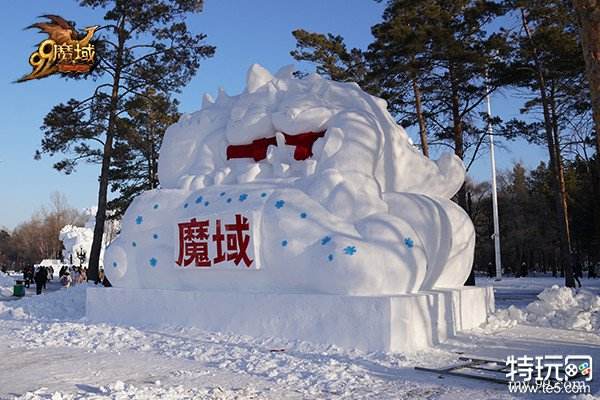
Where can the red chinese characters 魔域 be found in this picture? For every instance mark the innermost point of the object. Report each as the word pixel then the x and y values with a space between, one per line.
pixel 228 242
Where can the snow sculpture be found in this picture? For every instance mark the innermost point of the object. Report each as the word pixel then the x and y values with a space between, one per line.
pixel 295 185
pixel 77 240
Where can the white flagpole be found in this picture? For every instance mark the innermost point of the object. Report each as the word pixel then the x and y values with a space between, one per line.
pixel 496 235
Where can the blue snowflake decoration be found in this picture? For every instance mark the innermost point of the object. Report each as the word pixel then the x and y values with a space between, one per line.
pixel 115 265
pixel 409 243
pixel 222 194
pixel 243 196
pixel 206 203
pixel 139 220
pixel 284 243
pixel 134 244
pixel 279 204
pixel 330 257
pixel 325 240
pixel 263 194
pixel 350 250
pixel 229 200
pixel 153 262
pixel 156 206
pixel 303 215
pixel 199 200
pixel 155 236
pixel 185 205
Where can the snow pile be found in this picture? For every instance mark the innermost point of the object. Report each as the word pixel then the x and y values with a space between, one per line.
pixel 565 308
pixel 121 390
pixel 64 304
pixel 502 319
pixel 557 307
pixel 6 285
pixel 310 171
pixel 6 280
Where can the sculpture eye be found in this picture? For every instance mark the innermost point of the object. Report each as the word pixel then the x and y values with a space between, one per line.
pixel 258 148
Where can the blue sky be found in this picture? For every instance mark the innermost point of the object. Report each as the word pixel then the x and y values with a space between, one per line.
pixel 244 32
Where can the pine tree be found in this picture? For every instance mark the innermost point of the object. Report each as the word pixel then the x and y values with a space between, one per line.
pixel 331 56
pixel 548 62
pixel 461 53
pixel 145 43
pixel 135 154
pixel 444 50
pixel 588 14
pixel 401 60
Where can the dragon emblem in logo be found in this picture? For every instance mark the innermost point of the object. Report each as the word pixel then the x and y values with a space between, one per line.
pixel 65 50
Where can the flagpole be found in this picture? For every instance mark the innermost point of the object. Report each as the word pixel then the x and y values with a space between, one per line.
pixel 496 235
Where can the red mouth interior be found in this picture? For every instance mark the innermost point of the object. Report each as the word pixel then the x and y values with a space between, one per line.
pixel 258 148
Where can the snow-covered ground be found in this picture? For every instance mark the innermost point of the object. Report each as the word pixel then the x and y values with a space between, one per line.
pixel 48 351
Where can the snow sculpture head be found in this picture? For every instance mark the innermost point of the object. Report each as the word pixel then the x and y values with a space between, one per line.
pixel 295 185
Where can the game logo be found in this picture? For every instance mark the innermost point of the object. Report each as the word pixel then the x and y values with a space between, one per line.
pixel 549 374
pixel 64 51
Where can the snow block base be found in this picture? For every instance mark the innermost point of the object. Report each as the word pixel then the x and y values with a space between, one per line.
pixel 401 323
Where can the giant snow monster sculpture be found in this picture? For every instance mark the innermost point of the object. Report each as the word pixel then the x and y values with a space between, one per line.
pixel 295 185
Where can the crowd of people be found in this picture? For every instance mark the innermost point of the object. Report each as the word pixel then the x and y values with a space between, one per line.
pixel 72 275
pixel 593 270
pixel 67 276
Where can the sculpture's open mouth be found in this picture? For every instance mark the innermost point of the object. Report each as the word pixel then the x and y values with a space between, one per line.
pixel 258 148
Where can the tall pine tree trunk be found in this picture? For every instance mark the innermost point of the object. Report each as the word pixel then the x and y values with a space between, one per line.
pixel 554 160
pixel 588 13
pixel 97 243
pixel 420 117
pixel 459 150
pixel 457 130
pixel 560 170
pixel 151 155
